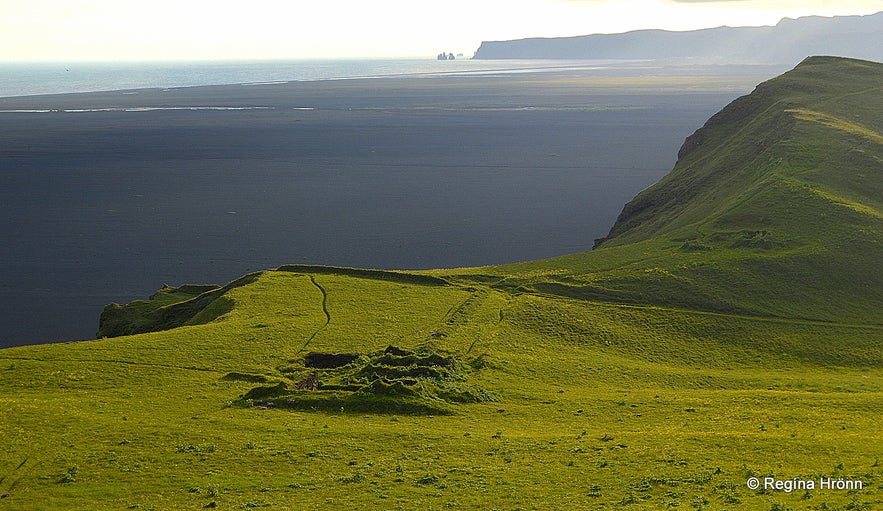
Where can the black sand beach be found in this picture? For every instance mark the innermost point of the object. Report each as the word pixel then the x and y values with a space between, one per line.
pixel 106 196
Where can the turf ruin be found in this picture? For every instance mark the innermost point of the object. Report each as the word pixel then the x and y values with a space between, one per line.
pixel 393 380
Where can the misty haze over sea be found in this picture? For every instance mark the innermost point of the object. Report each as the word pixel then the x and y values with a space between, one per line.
pixel 107 196
pixel 19 79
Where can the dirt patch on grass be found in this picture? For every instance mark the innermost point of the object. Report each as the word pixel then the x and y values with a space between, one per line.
pixel 328 360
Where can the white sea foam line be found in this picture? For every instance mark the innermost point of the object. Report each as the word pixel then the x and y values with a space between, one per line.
pixel 136 109
pixel 191 108
pixel 249 84
pixel 515 71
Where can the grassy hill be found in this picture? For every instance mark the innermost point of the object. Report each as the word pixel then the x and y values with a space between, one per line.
pixel 729 327
pixel 773 209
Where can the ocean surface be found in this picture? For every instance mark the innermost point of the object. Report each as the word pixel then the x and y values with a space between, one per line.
pixel 105 197
pixel 22 79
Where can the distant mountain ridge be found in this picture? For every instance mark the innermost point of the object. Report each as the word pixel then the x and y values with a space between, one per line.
pixel 788 42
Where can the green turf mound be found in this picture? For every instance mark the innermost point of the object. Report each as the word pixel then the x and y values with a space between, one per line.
pixel 393 380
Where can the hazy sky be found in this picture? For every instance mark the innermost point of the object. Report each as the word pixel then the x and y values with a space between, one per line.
pixel 302 29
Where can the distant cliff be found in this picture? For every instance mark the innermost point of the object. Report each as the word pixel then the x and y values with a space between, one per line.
pixel 789 42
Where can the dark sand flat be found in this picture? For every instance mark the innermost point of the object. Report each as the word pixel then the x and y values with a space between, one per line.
pixel 106 196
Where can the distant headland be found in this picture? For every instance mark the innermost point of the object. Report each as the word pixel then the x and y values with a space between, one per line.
pixel 788 42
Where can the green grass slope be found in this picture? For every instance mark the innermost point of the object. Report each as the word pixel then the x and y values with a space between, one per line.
pixel 775 208
pixel 170 307
pixel 661 371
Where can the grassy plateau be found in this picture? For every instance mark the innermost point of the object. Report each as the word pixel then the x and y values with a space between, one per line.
pixel 729 327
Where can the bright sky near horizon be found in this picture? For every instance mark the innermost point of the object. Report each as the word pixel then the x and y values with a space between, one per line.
pixel 127 30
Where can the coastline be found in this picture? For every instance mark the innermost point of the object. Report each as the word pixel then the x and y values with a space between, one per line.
pixel 41 79
pixel 204 184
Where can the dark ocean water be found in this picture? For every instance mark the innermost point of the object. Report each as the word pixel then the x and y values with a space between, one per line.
pixel 106 206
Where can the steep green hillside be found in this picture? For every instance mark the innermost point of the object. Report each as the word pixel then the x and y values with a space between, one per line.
pixel 808 127
pixel 729 328
pixel 775 208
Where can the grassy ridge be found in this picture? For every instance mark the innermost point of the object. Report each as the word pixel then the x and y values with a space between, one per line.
pixel 729 328
pixel 751 144
pixel 773 209
pixel 170 307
